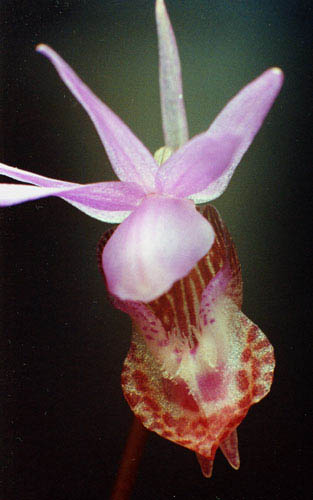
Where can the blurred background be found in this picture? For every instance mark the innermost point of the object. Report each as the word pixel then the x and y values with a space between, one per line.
pixel 62 344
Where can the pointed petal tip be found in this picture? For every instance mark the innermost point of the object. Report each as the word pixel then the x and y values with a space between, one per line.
pixel 277 71
pixel 207 475
pixel 42 48
pixel 39 47
pixel 48 52
pixel 275 76
pixel 206 465
pixel 52 55
pixel 236 466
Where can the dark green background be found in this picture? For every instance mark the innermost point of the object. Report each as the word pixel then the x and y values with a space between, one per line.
pixel 65 420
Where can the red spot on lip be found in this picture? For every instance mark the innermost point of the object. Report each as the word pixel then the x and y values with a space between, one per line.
pixel 141 380
pixel 151 404
pixel 255 369
pixel 261 345
pixel 212 420
pixel 258 390
pixel 211 385
pixel 156 426
pixel 268 376
pixel 181 426
pixel 179 394
pixel 133 399
pixel 169 420
pixel 167 434
pixel 200 434
pixel 124 379
pixel 246 354
pixel 199 426
pixel 268 358
pixel 242 380
pixel 235 421
pixel 244 402
pixel 224 436
pixel 183 442
pixel 251 335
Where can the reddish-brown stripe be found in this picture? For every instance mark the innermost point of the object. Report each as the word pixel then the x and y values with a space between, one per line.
pixel 267 377
pixel 205 271
pixel 151 404
pixel 197 283
pixel 261 345
pixel 245 402
pixel 132 398
pixel 268 359
pixel 190 301
pixel 258 391
pixel 246 355
pixel 235 421
pixel 124 379
pixel 167 434
pixel 169 420
pixel 179 305
pixel 255 369
pixel 162 308
pixel 252 334
pixel 141 380
pixel 242 380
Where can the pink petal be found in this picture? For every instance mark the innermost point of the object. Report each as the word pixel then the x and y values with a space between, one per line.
pixel 114 217
pixel 112 196
pixel 156 245
pixel 31 178
pixel 130 159
pixel 197 164
pixel 106 201
pixel 12 194
pixel 242 117
pixel 174 120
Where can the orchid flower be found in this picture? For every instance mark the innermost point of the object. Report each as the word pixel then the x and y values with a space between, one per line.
pixel 196 362
pixel 161 236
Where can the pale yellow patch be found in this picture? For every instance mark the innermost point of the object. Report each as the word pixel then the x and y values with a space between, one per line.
pixel 163 154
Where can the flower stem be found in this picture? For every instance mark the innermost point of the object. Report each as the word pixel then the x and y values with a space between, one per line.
pixel 128 467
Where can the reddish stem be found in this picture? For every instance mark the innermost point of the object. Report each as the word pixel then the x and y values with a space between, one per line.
pixel 128 467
